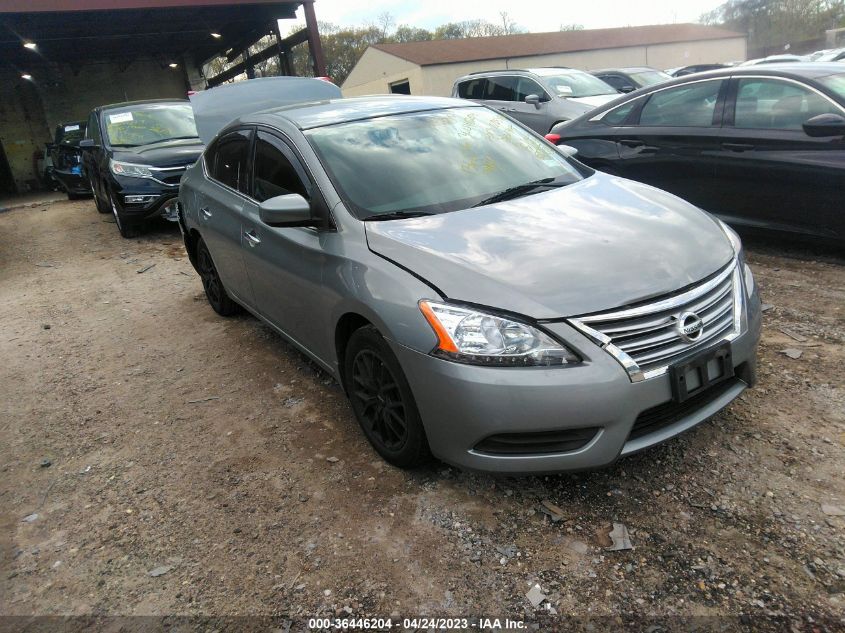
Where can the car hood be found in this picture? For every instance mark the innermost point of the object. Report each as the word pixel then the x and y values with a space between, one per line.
pixel 602 243
pixel 167 154
pixel 593 102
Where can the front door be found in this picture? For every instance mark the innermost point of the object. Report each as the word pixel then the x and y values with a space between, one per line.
pixel 285 264
pixel 770 173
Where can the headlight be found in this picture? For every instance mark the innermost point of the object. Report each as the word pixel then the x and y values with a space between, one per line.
pixel 129 169
pixel 479 338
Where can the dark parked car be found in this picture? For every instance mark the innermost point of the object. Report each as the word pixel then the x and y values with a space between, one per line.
pixel 683 71
pixel 67 159
pixel 758 146
pixel 630 79
pixel 135 155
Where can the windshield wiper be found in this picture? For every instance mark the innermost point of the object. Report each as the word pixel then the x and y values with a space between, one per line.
pixel 174 138
pixel 396 215
pixel 518 190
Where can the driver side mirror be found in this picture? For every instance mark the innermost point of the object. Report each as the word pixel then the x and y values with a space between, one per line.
pixel 87 143
pixel 825 125
pixel 288 210
pixel 533 100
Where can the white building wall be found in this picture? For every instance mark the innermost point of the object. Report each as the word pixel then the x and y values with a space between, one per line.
pixel 376 69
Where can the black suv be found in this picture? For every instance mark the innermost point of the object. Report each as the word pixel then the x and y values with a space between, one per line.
pixel 134 156
pixel 67 159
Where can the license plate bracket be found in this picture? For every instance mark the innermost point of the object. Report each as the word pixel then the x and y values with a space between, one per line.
pixel 704 370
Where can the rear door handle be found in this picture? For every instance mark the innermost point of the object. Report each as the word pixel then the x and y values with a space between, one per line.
pixel 737 147
pixel 630 142
pixel 205 213
pixel 252 238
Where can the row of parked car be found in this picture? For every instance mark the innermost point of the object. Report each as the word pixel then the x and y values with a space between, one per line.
pixel 480 294
pixel 759 146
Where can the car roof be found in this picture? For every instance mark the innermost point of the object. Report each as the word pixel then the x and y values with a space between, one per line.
pixel 127 104
pixel 627 69
pixel 306 116
pixel 806 70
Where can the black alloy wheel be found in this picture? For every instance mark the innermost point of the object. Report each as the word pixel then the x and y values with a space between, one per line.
pixel 382 400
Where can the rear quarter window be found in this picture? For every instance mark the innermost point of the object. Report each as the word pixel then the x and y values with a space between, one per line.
pixel 472 89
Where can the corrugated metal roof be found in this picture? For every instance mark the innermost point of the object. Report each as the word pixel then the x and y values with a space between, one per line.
pixel 529 44
pixel 18 6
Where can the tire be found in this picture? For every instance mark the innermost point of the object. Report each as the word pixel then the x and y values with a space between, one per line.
pixel 75 196
pixel 211 283
pixel 127 229
pixel 382 400
pixel 102 207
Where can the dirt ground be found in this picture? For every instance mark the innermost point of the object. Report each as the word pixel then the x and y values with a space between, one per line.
pixel 190 466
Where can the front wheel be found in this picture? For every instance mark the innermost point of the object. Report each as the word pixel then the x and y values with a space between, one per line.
pixel 382 400
pixel 211 283
pixel 127 229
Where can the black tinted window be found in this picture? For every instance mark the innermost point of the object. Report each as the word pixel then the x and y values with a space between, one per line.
pixel 772 104
pixel 618 115
pixel 616 81
pixel 230 160
pixel 501 88
pixel 472 89
pixel 275 175
pixel 690 105
pixel 93 130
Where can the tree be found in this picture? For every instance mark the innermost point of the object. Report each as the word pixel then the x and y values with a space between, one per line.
pixel 775 23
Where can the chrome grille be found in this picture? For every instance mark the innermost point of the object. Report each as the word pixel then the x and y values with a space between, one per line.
pixel 647 339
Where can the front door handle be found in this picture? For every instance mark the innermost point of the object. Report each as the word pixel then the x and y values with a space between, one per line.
pixel 631 142
pixel 205 213
pixel 737 147
pixel 251 238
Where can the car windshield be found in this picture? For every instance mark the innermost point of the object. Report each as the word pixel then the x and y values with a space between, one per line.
pixel 70 133
pixel 578 84
pixel 147 124
pixel 836 83
pixel 650 77
pixel 436 161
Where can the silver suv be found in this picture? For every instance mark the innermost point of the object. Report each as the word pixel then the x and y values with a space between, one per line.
pixel 538 97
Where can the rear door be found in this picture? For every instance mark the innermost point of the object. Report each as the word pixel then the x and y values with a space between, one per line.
pixel 670 142
pixel 770 173
pixel 501 93
pixel 285 264
pixel 220 207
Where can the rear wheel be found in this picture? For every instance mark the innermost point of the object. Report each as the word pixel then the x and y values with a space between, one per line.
pixel 211 283
pixel 382 400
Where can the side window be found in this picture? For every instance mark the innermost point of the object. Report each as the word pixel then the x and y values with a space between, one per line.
pixel 229 160
pixel 771 104
pixel 93 130
pixel 274 172
pixel 527 87
pixel 616 81
pixel 690 105
pixel 618 115
pixel 501 88
pixel 472 89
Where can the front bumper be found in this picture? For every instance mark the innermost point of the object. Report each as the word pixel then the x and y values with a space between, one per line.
pixel 462 405
pixel 158 200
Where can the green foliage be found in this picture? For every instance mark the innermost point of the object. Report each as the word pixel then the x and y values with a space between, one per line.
pixel 770 23
pixel 343 46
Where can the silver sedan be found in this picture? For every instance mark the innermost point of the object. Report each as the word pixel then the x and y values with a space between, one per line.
pixel 481 296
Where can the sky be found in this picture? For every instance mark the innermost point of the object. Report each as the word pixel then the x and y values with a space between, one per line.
pixel 533 15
